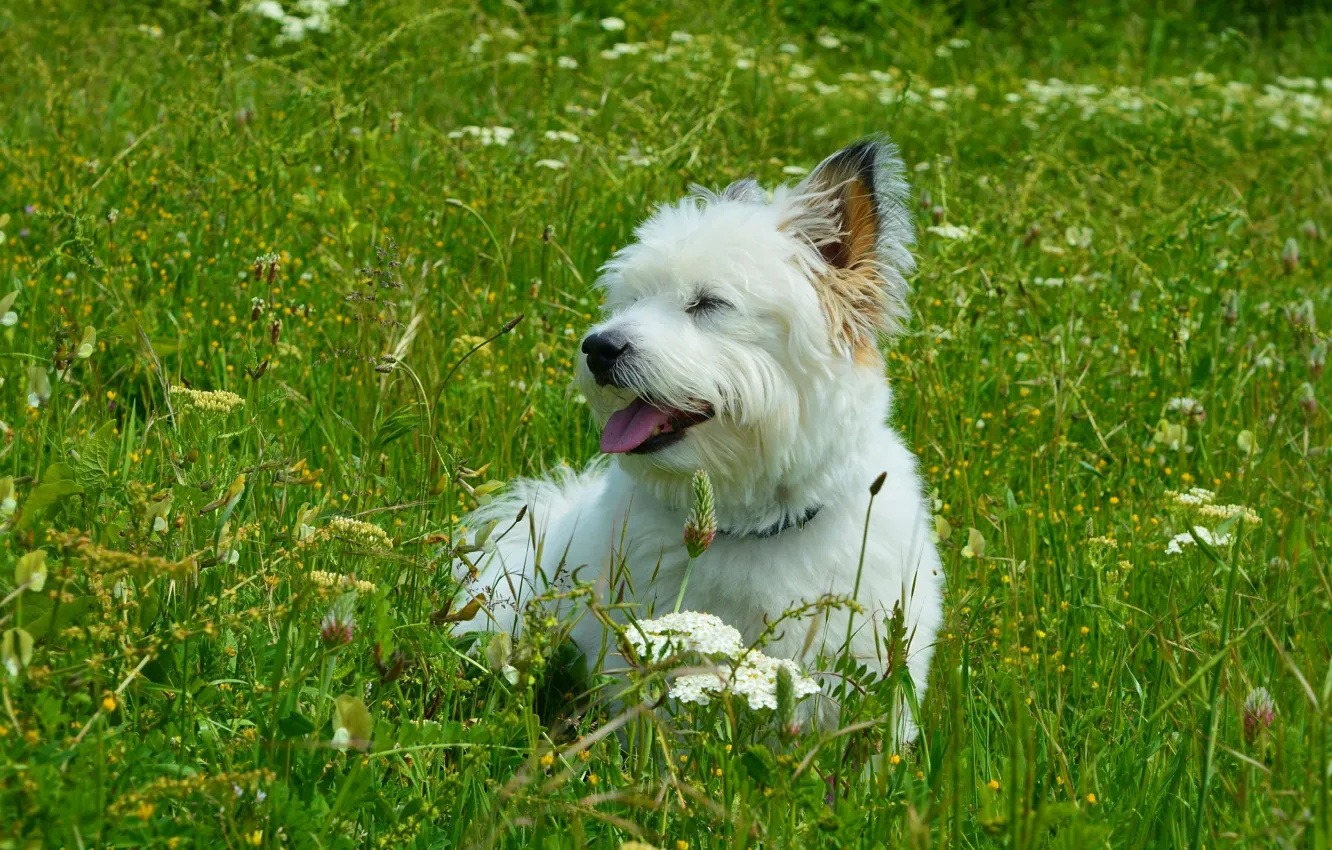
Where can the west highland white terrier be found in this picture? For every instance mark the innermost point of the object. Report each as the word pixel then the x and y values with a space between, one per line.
pixel 740 335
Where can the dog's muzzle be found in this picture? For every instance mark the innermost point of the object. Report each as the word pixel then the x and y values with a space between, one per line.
pixel 604 350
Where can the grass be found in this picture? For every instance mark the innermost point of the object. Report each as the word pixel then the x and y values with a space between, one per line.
pixel 1128 245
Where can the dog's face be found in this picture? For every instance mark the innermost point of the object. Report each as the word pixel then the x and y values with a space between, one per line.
pixel 730 313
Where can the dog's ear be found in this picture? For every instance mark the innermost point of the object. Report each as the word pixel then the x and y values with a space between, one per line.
pixel 853 208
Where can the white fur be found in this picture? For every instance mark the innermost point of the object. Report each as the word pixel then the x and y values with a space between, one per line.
pixel 800 423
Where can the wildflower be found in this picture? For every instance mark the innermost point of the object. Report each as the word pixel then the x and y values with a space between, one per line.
pixel 959 232
pixel 339 624
pixel 517 58
pixel 561 136
pixel 1224 513
pixel 942 529
pixel 8 504
pixel 39 386
pixel 1230 307
pixel 266 267
pixel 1247 442
pixel 487 136
pixel 975 547
pixel 686 631
pixel 829 41
pixel 16 650
pixel 795 170
pixel 701 526
pixel 1078 237
pixel 337 580
pixel 568 63
pixel 1259 712
pixel 1171 435
pixel 1189 408
pixel 8 316
pixel 612 24
pixel 362 533
pixel 1290 255
pixel 352 724
pixel 1308 402
pixel 109 703
pixel 87 344
pixel 552 164
pixel 1180 541
pixel 210 403
pixel 1195 497
pixel 30 570
pixel 755 679
pixel 498 651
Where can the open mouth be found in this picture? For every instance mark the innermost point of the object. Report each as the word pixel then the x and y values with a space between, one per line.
pixel 641 428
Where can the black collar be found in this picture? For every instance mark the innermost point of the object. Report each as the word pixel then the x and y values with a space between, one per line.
pixel 786 522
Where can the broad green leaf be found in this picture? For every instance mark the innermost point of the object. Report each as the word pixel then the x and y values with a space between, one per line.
pixel 43 497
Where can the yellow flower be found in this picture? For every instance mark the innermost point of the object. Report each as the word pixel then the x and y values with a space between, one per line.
pixel 548 759
pixel 994 784
pixel 109 702
pixel 1091 798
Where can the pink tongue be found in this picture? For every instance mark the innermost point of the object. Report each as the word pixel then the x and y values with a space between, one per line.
pixel 627 429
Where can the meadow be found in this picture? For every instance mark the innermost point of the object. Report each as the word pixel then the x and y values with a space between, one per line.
pixel 286 292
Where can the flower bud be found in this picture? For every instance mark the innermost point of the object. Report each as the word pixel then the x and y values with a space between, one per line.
pixel 1290 255
pixel 1259 712
pixel 701 526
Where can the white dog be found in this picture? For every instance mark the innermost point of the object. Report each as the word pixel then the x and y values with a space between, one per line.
pixel 740 336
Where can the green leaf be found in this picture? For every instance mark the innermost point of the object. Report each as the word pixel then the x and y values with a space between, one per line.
pixel 44 496
pixel 60 471
pixel 295 725
pixel 1202 370
pixel 94 463
pixel 55 619
pixel 758 763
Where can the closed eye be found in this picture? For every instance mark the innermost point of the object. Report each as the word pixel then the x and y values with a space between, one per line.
pixel 706 302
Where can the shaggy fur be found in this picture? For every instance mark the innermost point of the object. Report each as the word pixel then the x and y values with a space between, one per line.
pixel 797 288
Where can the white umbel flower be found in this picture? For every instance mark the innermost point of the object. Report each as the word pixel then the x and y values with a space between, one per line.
pixel 750 675
pixel 686 631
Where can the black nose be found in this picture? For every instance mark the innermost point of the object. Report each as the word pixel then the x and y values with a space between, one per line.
pixel 603 351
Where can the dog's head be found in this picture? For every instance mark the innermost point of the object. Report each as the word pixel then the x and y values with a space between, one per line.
pixel 732 323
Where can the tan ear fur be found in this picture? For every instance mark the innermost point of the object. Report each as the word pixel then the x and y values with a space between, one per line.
pixel 852 211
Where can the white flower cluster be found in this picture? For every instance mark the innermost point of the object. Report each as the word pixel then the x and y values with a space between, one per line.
pixel 751 675
pixel 1194 497
pixel 1221 513
pixel 366 534
pixel 306 16
pixel 685 631
pixel 487 136
pixel 337 580
pixel 211 402
pixel 1199 504
pixel 1179 541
